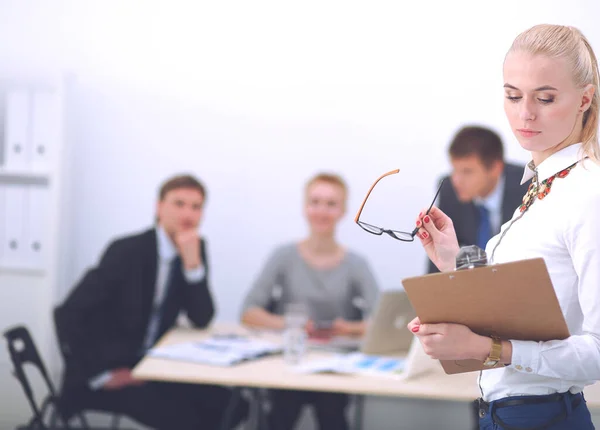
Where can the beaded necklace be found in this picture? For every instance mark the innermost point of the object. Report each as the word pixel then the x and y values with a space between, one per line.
pixel 535 190
pixel 542 190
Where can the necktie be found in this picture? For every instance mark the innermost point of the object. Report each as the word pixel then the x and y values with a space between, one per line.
pixel 160 323
pixel 484 232
pixel 165 312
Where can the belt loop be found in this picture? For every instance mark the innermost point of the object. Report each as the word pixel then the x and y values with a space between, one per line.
pixel 483 408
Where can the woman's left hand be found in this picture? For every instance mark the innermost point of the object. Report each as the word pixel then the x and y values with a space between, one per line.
pixel 448 341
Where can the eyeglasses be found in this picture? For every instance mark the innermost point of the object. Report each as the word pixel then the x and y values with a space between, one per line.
pixel 404 236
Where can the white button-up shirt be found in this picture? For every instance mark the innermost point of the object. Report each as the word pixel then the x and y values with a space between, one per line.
pixel 563 229
pixel 166 254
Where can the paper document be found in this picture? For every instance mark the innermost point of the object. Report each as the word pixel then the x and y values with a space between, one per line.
pixel 217 351
pixel 355 363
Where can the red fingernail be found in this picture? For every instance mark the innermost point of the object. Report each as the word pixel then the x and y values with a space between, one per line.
pixel 420 214
pixel 425 235
pixel 415 329
pixel 419 223
pixel 426 219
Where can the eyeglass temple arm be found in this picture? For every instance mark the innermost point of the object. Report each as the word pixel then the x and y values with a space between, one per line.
pixel 392 172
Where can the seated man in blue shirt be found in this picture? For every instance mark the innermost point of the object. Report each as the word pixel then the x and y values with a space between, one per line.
pixel 483 190
pixel 121 308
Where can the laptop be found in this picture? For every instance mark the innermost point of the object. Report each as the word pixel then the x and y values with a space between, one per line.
pixel 386 332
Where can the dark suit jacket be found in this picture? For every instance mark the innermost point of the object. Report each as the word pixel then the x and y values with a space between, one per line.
pixel 103 322
pixel 465 215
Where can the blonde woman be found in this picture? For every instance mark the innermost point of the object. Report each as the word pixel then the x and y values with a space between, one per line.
pixel 551 102
pixel 323 275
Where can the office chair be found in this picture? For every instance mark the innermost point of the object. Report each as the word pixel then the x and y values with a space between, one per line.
pixel 46 414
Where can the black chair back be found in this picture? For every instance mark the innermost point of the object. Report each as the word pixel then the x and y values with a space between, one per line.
pixel 22 351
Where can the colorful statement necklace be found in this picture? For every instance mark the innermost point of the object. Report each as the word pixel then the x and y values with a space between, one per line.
pixel 542 190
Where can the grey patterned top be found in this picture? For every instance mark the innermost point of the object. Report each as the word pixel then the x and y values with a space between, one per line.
pixel 347 291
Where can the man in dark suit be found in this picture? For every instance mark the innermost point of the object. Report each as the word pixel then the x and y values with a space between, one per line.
pixel 483 190
pixel 121 307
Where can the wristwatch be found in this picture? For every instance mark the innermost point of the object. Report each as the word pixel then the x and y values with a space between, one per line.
pixel 494 358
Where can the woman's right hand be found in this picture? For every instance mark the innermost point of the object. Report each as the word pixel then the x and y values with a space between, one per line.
pixel 438 237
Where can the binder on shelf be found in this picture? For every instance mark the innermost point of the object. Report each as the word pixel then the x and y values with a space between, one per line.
pixel 17 130
pixel 45 125
pixel 34 246
pixel 3 214
pixel 13 226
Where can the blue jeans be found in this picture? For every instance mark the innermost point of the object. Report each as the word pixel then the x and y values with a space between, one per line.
pixel 563 411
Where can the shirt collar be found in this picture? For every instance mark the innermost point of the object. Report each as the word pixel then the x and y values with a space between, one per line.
pixel 554 163
pixel 166 249
pixel 493 201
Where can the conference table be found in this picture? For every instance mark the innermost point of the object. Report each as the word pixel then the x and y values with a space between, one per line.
pixel 272 372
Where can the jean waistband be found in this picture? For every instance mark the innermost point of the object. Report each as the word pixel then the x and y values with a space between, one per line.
pixel 568 402
pixel 531 400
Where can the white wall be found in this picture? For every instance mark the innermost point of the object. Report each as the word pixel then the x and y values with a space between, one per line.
pixel 254 98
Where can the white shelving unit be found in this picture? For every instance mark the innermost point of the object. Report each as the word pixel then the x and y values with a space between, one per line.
pixel 23 175
pixel 32 156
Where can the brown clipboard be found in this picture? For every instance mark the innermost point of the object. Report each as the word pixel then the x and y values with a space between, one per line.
pixel 513 301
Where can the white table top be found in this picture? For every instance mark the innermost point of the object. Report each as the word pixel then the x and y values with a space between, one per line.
pixel 272 372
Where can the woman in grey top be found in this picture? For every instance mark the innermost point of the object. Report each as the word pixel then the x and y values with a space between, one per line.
pixel 335 284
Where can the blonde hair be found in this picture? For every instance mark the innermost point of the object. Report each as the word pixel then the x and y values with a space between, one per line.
pixel 558 41
pixel 328 178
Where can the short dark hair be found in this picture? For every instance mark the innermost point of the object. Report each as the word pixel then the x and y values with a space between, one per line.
pixel 181 181
pixel 479 141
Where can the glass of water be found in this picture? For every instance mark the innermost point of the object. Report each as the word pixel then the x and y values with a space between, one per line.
pixel 294 335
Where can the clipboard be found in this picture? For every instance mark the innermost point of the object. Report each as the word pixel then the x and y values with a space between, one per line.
pixel 511 301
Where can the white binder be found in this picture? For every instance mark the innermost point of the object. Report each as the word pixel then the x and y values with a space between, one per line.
pixel 44 130
pixel 13 226
pixel 17 130
pixel 35 240
pixel 2 218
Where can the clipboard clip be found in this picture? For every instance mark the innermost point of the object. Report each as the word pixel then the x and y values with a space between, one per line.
pixel 470 257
